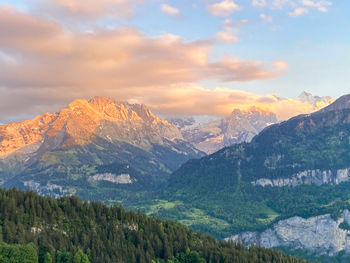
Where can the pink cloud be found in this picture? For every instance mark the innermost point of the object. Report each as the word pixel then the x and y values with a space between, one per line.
pixel 170 10
pixel 89 9
pixel 280 65
pixel 223 8
pixel 298 12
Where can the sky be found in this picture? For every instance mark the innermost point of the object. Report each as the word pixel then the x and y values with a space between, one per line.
pixel 200 57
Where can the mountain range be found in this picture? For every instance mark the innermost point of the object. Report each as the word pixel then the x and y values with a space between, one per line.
pixel 92 144
pixel 212 134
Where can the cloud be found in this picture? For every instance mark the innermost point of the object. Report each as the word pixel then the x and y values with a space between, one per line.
pixel 230 69
pixel 266 18
pixel 42 64
pixel 280 65
pixel 172 11
pixel 227 35
pixel 223 8
pixel 85 11
pixel 298 12
pixel 176 99
pixel 321 5
pixel 230 23
pixel 19 31
pixel 280 4
pixel 259 3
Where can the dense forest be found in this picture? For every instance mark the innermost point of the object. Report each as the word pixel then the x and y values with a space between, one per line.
pixel 43 229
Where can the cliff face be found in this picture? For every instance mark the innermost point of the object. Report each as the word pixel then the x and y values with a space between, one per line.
pixel 317 177
pixel 320 234
pixel 17 135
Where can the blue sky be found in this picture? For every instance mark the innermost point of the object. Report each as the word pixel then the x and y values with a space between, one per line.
pixel 316 45
pixel 280 47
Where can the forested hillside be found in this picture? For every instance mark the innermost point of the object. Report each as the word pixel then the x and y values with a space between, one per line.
pixel 42 229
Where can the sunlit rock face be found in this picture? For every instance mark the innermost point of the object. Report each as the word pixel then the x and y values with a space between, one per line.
pixel 83 120
pixel 320 234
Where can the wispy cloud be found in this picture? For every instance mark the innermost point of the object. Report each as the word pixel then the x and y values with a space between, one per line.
pixel 170 10
pixel 227 36
pixel 239 23
pixel 260 3
pixel 298 12
pixel 321 5
pixel 294 8
pixel 266 18
pixel 280 65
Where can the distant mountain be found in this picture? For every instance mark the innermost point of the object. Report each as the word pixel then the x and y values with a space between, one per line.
pixel 317 101
pixel 91 145
pixel 296 168
pixel 214 134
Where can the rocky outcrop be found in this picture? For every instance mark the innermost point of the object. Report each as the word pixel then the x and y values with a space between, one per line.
pixel 51 189
pixel 317 177
pixel 113 178
pixel 320 234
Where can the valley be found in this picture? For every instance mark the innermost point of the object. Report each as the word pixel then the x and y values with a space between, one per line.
pixel 202 131
pixel 248 187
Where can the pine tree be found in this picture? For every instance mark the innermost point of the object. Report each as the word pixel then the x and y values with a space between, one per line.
pixel 47 258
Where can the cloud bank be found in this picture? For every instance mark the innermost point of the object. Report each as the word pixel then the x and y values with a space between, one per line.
pixel 44 64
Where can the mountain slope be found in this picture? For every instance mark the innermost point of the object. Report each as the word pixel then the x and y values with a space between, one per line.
pixel 307 142
pixel 59 153
pixel 299 167
pixel 43 228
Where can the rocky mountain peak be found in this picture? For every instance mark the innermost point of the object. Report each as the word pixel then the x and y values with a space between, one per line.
pixel 317 101
pixel 81 121
pixel 146 114
pixel 100 102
